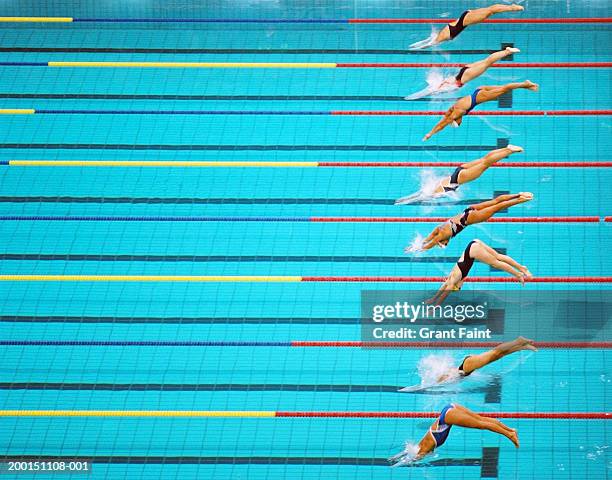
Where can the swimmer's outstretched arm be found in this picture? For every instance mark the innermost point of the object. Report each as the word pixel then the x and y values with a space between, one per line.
pixel 412 198
pixel 428 42
pixel 441 125
pixel 440 296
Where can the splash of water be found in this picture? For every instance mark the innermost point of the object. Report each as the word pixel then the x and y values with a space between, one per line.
pixel 429 181
pixel 495 128
pixel 436 366
pixel 416 245
pixel 406 456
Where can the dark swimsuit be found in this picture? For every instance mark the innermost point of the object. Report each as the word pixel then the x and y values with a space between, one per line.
pixel 459 76
pixel 459 27
pixel 454 180
pixel 461 370
pixel 456 228
pixel 466 264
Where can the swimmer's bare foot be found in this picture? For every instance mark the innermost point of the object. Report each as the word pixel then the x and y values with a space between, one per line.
pixel 512 49
pixel 517 8
pixel 526 196
pixel 515 148
pixel 529 85
pixel 521 278
pixel 513 437
pixel 527 344
pixel 525 271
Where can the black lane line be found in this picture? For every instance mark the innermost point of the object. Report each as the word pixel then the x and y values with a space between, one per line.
pixel 169 460
pixel 223 258
pixel 223 387
pixel 209 320
pixel 496 319
pixel 175 147
pixel 254 51
pixel 227 201
pixel 490 462
pixel 109 96
pixel 202 387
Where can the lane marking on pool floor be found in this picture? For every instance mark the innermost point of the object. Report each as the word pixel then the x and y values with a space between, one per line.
pixel 297 414
pixel 250 51
pixel 290 344
pixel 313 65
pixel 487 462
pixel 378 113
pixel 548 20
pixel 282 164
pixel 284 279
pixel 231 201
pixel 215 387
pixel 501 142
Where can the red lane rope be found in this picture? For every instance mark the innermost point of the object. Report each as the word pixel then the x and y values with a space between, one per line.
pixel 506 113
pixel 517 415
pixel 491 20
pixel 496 65
pixel 468 279
pixel 457 164
pixel 608 219
pixel 443 219
pixel 559 345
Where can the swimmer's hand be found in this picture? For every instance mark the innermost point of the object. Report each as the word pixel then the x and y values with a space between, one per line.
pixel 426 137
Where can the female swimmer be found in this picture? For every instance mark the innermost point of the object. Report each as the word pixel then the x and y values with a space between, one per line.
pixel 466 73
pixel 463 106
pixel 462 174
pixel 478 213
pixel 471 363
pixel 452 414
pixel 478 250
pixel 469 17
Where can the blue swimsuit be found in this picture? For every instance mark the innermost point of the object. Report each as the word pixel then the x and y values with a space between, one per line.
pixel 440 434
pixel 474 103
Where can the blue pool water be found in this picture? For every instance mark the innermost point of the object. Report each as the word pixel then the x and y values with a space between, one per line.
pixel 283 378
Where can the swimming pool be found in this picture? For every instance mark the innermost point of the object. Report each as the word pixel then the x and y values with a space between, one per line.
pixel 157 309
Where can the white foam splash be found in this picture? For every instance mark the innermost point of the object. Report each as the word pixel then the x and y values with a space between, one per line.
pixel 416 245
pixel 406 456
pixel 433 367
pixel 428 42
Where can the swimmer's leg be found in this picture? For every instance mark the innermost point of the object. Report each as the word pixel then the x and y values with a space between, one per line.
pixel 474 169
pixel 488 93
pixel 487 420
pixel 474 362
pixel 463 417
pixel 485 210
pixel 505 259
pixel 478 68
pixel 492 259
pixel 481 14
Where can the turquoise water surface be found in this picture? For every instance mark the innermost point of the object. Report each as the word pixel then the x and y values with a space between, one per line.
pixel 284 378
